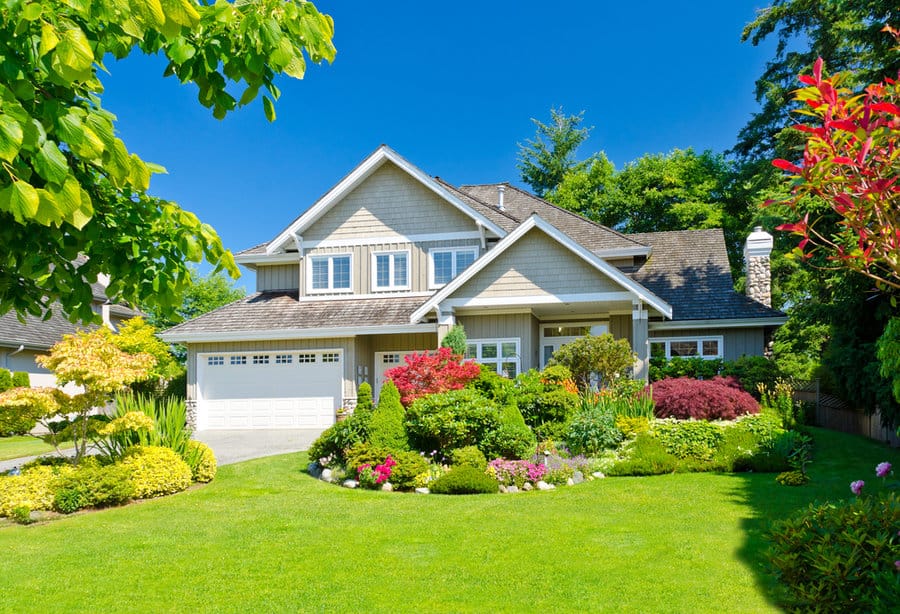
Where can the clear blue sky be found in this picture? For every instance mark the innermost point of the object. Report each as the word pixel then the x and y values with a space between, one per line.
pixel 452 87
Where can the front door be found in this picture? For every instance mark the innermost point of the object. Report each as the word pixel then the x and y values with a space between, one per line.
pixel 383 362
pixel 554 336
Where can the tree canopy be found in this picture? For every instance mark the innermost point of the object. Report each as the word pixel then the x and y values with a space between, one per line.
pixel 73 198
pixel 545 159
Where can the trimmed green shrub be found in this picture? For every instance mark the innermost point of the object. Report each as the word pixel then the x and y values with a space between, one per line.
pixel 839 556
pixel 493 386
pixel 646 455
pixel 455 339
pixel 469 456
pixel 451 420
pixel 765 426
pixel 387 428
pixel 331 446
pixel 792 478
pixel 543 402
pixel 692 366
pixel 21 515
pixel 753 371
pixel 510 441
pixel 93 486
pixel 735 451
pixel 689 439
pixel 593 429
pixel 365 454
pixel 409 466
pixel 560 475
pixel 629 427
pixel 202 461
pixel 464 481
pixel 602 356
pixel 5 380
pixel 774 456
pixel 21 379
pixel 155 471
pixel 364 399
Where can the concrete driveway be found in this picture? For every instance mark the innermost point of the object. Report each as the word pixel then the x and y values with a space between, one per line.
pixel 236 446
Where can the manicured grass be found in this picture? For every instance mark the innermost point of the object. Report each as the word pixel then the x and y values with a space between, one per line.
pixel 22 445
pixel 264 537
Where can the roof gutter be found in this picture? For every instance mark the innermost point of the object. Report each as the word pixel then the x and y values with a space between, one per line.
pixel 723 323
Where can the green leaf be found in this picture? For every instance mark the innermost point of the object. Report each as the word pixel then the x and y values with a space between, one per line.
pixel 74 50
pixel 181 12
pixel 48 208
pixel 249 94
pixel 296 67
pixel 181 51
pixel 32 11
pixel 269 109
pixel 49 39
pixel 20 199
pixel 10 138
pixel 51 164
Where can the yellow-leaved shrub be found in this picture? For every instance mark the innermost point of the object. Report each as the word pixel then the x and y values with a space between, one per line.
pixel 34 488
pixel 156 471
pixel 201 460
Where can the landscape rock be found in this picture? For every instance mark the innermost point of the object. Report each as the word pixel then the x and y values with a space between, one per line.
pixel 542 485
pixel 570 482
pixel 423 491
pixel 527 486
pixel 350 483
pixel 314 469
pixel 598 474
pixel 387 487
pixel 503 488
pixel 578 478
pixel 326 475
pixel 512 489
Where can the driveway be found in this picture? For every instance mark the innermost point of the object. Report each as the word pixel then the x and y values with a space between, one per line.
pixel 236 446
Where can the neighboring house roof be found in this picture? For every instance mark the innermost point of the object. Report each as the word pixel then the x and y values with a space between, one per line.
pixel 689 269
pixel 521 205
pixel 35 334
pixel 281 315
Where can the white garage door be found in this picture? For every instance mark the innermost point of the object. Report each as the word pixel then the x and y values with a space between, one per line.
pixel 269 390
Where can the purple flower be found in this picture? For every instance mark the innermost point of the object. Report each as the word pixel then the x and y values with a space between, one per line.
pixel 882 469
pixel 857 487
pixel 897 565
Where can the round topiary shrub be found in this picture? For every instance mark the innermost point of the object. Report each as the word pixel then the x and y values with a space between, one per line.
pixel 713 399
pixel 451 420
pixel 201 460
pixel 156 471
pixel 93 485
pixel 464 481
pixel 409 466
pixel 469 456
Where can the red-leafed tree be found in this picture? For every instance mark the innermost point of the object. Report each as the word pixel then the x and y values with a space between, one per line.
pixel 428 373
pixel 850 169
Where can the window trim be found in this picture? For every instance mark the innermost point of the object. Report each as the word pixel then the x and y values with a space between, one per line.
pixel 697 339
pixel 500 359
pixel 432 285
pixel 330 289
pixel 392 253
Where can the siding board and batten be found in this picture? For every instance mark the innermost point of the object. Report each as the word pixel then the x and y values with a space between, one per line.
pixel 277 277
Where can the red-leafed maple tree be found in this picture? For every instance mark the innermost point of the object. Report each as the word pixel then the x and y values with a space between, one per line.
pixel 429 373
pixel 851 163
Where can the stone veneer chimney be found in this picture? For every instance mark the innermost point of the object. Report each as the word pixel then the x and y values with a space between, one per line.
pixel 756 262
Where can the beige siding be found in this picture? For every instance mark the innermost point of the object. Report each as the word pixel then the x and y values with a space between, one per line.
pixel 536 266
pixel 516 325
pixel 363 270
pixel 738 341
pixel 278 277
pixel 345 344
pixel 389 202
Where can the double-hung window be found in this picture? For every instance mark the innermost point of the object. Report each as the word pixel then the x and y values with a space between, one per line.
pixel 330 273
pixel 445 264
pixel 390 270
pixel 498 355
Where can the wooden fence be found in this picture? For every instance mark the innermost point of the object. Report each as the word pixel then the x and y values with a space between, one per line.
pixel 833 413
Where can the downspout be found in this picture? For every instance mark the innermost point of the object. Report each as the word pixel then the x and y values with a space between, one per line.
pixel 6 356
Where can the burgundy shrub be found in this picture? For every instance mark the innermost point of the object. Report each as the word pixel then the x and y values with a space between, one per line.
pixel 714 399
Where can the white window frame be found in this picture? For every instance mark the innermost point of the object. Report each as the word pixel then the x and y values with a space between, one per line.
pixel 391 270
pixel 698 340
pixel 330 289
pixel 499 360
pixel 562 340
pixel 432 285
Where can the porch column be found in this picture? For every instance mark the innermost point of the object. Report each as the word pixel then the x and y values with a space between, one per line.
pixel 640 341
pixel 446 321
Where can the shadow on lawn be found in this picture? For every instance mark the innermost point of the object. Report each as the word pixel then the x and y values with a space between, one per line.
pixel 838 460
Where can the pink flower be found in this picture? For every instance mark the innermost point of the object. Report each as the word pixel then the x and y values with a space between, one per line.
pixel 897 565
pixel 857 487
pixel 882 469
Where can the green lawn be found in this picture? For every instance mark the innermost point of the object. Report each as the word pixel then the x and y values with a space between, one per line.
pixel 22 445
pixel 265 538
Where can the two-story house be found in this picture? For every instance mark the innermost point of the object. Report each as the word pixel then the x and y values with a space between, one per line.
pixel 390 258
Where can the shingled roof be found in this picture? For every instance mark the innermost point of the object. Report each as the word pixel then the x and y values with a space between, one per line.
pixel 689 269
pixel 282 311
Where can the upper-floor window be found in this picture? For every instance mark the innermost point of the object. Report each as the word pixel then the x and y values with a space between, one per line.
pixel 330 273
pixel 390 270
pixel 445 264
